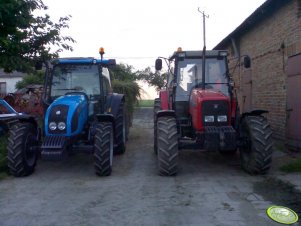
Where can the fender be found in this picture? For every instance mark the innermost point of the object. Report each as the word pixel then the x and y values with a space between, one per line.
pixel 164 99
pixel 105 118
pixel 256 112
pixel 163 113
pixel 114 102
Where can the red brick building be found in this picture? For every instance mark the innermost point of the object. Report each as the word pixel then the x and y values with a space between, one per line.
pixel 271 37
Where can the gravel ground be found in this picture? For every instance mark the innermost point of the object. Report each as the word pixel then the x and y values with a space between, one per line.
pixel 209 190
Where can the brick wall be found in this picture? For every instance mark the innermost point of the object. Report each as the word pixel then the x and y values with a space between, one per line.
pixel 269 44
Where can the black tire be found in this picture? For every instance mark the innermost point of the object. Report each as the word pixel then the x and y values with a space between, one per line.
pixel 121 129
pixel 157 107
pixel 103 149
pixel 167 141
pixel 21 157
pixel 256 154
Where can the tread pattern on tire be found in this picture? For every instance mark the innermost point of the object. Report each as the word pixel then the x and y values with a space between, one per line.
pixel 259 158
pixel 119 124
pixel 157 107
pixel 167 141
pixel 15 150
pixel 102 148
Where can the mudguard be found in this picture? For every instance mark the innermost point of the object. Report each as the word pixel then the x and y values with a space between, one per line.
pixel 163 113
pixel 256 112
pixel 111 108
pixel 114 102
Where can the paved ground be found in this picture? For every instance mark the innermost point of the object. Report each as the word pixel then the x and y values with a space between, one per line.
pixel 209 190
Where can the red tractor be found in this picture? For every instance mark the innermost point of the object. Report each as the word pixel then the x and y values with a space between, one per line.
pixel 198 109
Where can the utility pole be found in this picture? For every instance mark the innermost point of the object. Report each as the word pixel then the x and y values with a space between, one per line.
pixel 204 47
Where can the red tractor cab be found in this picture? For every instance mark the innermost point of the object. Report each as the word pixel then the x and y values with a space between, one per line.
pixel 198 109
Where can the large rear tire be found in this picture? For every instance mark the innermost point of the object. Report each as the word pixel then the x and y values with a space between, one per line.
pixel 256 154
pixel 157 107
pixel 167 141
pixel 21 154
pixel 103 149
pixel 121 129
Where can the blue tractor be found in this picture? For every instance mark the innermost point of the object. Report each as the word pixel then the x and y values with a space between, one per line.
pixel 82 114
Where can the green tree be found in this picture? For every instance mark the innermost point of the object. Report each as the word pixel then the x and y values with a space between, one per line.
pixel 124 81
pixel 25 38
pixel 36 77
pixel 152 78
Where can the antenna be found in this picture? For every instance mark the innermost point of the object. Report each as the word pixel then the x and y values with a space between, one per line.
pixel 204 25
pixel 204 48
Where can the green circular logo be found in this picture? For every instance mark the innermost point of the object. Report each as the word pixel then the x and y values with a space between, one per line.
pixel 282 215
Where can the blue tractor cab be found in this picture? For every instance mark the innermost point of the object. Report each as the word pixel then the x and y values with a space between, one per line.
pixel 82 114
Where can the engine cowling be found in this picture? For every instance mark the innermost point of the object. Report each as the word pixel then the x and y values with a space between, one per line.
pixel 67 115
pixel 214 105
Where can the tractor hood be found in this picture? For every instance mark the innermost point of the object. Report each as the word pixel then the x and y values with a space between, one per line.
pixel 70 110
pixel 208 94
pixel 208 103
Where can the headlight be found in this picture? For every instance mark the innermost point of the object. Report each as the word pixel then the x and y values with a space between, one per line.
pixel 52 126
pixel 61 126
pixel 209 118
pixel 222 118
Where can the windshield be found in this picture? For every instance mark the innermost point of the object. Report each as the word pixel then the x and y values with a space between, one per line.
pixel 190 76
pixel 75 78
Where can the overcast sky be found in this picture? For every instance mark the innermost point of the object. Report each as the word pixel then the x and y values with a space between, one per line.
pixel 135 32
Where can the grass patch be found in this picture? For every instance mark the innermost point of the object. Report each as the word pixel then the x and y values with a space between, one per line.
pixel 145 103
pixel 292 167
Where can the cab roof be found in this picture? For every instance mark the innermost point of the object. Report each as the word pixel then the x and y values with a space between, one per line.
pixel 84 60
pixel 198 54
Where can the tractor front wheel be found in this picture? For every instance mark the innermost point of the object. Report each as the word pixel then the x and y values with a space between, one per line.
pixel 256 153
pixel 103 149
pixel 21 152
pixel 167 141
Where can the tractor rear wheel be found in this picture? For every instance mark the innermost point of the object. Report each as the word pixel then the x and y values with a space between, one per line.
pixel 157 107
pixel 167 141
pixel 103 149
pixel 21 154
pixel 121 128
pixel 256 153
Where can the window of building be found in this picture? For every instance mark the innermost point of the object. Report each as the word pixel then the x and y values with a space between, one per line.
pixel 2 87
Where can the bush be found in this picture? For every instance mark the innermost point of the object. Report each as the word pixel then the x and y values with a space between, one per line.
pixel 131 90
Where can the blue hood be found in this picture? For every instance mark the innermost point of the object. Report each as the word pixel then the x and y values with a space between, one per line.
pixel 72 109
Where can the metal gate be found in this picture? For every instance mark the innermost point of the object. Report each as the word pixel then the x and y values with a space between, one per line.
pixel 294 101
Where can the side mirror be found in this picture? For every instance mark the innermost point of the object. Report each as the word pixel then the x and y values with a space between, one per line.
pixel 39 65
pixel 247 62
pixel 158 64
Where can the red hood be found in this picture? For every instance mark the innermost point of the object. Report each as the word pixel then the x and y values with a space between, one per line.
pixel 209 94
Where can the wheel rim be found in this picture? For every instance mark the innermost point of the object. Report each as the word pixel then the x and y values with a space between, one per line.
pixel 30 154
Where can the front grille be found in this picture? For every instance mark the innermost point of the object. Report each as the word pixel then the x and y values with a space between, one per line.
pixel 58 113
pixel 215 108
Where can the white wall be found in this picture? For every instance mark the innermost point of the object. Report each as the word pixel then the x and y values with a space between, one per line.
pixel 147 92
pixel 10 83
